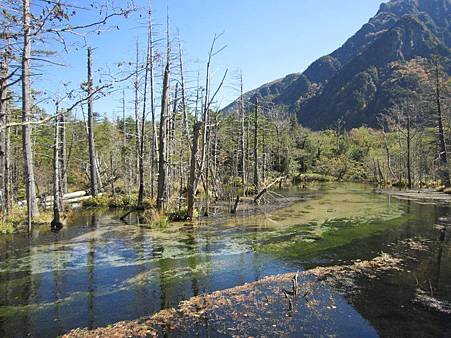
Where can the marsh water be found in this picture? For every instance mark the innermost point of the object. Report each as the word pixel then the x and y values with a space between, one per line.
pixel 98 270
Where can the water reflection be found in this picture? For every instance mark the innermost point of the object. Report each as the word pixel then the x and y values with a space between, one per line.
pixel 98 270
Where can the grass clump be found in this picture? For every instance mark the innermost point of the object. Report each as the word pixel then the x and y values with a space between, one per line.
pixel 156 219
pixel 100 201
pixel 17 220
pixel 7 228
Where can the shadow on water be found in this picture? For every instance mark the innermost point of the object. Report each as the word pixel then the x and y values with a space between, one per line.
pixel 98 270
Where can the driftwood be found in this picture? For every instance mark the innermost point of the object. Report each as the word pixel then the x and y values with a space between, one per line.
pixel 265 189
pixel 70 198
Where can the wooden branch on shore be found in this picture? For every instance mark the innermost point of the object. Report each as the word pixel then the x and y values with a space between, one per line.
pixel 265 189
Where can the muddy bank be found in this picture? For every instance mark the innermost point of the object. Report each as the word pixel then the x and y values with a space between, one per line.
pixel 421 196
pixel 271 305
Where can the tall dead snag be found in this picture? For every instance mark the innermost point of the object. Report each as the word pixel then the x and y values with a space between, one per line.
pixel 32 204
pixel 91 139
pixel 153 147
pixel 140 204
pixel 264 157
pixel 242 163
pixel 192 181
pixel 57 196
pixel 256 179
pixel 409 151
pixel 63 155
pixel 443 158
pixel 137 129
pixel 183 94
pixel 162 160
pixel 204 165
pixel 3 135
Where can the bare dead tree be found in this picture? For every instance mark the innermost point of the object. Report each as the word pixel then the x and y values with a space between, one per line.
pixel 63 153
pixel 256 178
pixel 242 162
pixel 147 72
pixel 162 156
pixel 192 181
pixel 137 119
pixel 32 204
pixel 57 196
pixel 443 158
pixel 91 137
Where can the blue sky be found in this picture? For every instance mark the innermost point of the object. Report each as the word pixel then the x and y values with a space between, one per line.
pixel 266 39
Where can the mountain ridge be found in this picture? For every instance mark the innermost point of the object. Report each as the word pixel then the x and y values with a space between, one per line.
pixel 400 31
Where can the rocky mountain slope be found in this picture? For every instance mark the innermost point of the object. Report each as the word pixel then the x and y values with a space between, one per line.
pixel 362 78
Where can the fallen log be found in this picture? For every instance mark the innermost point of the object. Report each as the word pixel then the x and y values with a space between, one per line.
pixel 265 189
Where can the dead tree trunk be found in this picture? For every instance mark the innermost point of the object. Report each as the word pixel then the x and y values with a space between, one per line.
pixel 63 155
pixel 57 197
pixel 242 163
pixel 3 134
pixel 162 161
pixel 182 83
pixel 256 179
pixel 443 158
pixel 264 158
pixel 32 204
pixel 192 182
pixel 140 204
pixel 137 129
pixel 91 138
pixel 409 162
pixel 153 146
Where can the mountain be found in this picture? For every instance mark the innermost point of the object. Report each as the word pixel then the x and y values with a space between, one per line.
pixel 370 72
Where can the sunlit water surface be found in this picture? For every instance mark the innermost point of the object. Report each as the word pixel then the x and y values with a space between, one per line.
pixel 98 270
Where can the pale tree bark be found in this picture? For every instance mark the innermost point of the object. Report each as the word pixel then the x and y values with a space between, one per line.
pixel 409 160
pixel 242 163
pixel 124 126
pixel 137 128
pixel 264 157
pixel 256 178
pixel 443 158
pixel 162 156
pixel 91 137
pixel 205 118
pixel 153 147
pixel 32 203
pixel 63 153
pixel 192 181
pixel 3 136
pixel 57 196
pixel 147 71
pixel 183 94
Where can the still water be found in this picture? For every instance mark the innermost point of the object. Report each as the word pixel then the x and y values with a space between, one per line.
pixel 98 270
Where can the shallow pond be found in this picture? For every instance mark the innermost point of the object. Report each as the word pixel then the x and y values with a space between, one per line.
pixel 97 270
